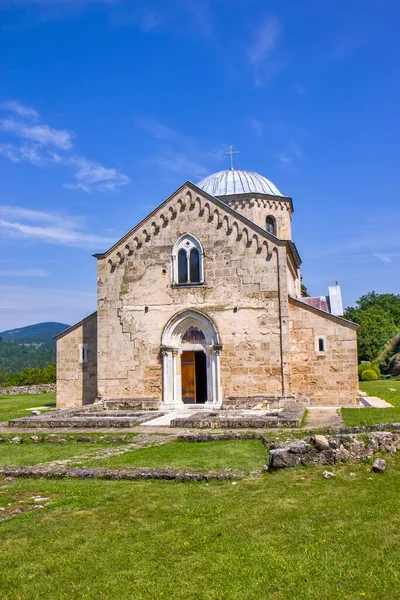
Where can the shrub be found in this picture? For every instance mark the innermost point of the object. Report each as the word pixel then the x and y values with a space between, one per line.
pixel 368 367
pixel 369 375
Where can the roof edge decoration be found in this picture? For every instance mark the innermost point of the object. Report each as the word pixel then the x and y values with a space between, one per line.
pixel 221 204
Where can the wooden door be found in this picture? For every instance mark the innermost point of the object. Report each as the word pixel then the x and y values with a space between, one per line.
pixel 188 371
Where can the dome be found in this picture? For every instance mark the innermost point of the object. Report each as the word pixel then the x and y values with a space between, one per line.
pixel 235 181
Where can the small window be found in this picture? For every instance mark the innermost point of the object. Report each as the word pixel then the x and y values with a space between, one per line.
pixel 187 259
pixel 270 225
pixel 83 351
pixel 320 344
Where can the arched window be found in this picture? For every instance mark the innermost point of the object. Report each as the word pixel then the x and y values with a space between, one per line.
pixel 187 261
pixel 270 225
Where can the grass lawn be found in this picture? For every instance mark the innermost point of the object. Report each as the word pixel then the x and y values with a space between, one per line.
pixel 358 417
pixel 290 535
pixel 32 454
pixel 244 454
pixel 380 388
pixel 13 407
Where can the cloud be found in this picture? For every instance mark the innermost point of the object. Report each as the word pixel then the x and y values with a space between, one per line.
pixel 299 90
pixel 44 146
pixel 289 157
pixel 43 135
pixel 386 258
pixel 91 176
pixel 260 53
pixel 146 20
pixel 20 109
pixel 25 273
pixel 178 163
pixel 176 152
pixel 18 222
pixel 257 126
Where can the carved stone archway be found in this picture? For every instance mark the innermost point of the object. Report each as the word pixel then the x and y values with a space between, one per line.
pixel 172 347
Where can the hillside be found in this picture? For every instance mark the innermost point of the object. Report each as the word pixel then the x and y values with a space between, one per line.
pixel 31 346
pixel 40 334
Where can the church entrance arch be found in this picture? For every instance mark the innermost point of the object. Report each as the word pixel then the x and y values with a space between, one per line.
pixel 190 349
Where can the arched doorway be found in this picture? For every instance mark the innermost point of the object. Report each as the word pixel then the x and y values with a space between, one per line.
pixel 190 350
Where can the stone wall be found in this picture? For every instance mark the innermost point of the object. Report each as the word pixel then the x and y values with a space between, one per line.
pixel 76 380
pixel 258 209
pixel 16 390
pixel 330 377
pixel 240 295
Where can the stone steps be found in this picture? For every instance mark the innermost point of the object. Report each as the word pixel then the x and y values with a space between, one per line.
pixel 132 404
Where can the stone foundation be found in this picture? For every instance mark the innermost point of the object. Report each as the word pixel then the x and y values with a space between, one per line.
pixel 336 449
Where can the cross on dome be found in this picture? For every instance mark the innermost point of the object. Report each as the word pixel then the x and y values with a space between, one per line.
pixel 231 153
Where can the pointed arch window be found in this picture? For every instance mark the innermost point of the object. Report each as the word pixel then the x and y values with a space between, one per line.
pixel 187 261
pixel 270 225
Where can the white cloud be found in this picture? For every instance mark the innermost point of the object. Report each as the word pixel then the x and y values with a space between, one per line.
pixel 41 134
pixel 20 109
pixel 265 40
pixel 18 222
pixel 386 258
pixel 179 153
pixel 257 126
pixel 290 155
pixel 91 176
pixel 299 89
pixel 44 146
pixel 25 273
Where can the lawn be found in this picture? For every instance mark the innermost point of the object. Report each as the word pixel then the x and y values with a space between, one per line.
pixel 13 407
pixel 358 417
pixel 381 387
pixel 33 454
pixel 244 454
pixel 284 536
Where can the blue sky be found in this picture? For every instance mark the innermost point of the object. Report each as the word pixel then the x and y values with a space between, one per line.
pixel 108 106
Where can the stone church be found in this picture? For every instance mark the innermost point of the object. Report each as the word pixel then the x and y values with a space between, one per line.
pixel 201 303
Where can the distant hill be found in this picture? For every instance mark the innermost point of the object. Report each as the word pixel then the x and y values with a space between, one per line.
pixel 39 335
pixel 31 346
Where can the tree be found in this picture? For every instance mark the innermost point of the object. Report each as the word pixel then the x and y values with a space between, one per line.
pixel 304 290
pixel 379 318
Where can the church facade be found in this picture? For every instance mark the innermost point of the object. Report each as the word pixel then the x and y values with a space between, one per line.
pixel 201 303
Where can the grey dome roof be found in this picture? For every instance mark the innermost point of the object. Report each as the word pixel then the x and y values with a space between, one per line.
pixel 235 181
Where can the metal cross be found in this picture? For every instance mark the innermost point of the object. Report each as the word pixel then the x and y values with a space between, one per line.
pixel 231 153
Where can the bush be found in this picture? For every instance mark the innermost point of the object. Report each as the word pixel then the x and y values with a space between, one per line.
pixel 368 367
pixel 369 375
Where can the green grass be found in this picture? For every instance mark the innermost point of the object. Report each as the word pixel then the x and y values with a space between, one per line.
pixel 13 407
pixel 244 454
pixel 358 417
pixel 33 454
pixel 380 388
pixel 291 535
